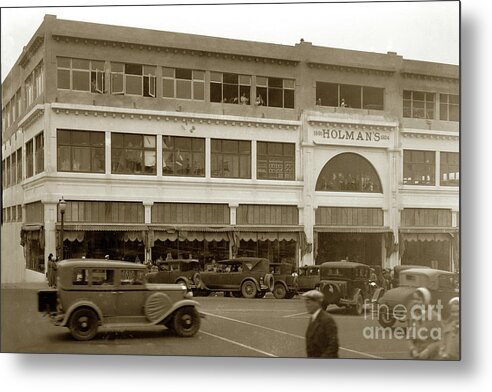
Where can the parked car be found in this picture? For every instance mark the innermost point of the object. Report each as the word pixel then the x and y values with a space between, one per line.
pixel 285 280
pixel 308 278
pixel 92 293
pixel 345 283
pixel 395 281
pixel 249 277
pixel 395 303
pixel 182 271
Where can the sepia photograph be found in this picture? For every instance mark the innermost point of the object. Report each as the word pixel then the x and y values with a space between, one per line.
pixel 267 180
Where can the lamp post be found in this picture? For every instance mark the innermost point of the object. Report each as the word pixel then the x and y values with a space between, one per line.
pixel 62 205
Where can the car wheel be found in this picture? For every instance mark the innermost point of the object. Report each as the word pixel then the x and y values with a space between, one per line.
pixel 196 279
pixel 290 295
pixel 260 294
pixel 359 305
pixel 279 291
pixel 186 321
pixel 248 289
pixel 236 294
pixel 83 324
pixel 385 319
pixel 181 281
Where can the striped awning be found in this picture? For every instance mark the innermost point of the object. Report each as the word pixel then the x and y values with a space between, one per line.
pixel 352 229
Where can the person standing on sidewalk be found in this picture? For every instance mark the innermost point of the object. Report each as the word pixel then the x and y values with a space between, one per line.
pixel 322 332
pixel 51 275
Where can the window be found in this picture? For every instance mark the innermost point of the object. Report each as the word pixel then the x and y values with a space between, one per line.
pixel 183 156
pixel 39 153
pixel 4 175
pixel 33 86
pixel 13 168
pixel 7 174
pixel 102 277
pixel 275 92
pixel 132 277
pixel 352 96
pixel 17 105
pixel 183 83
pixel 28 92
pixel 29 158
pixel 80 151
pixel 419 167
pixel 349 172
pixel 80 74
pixel 450 168
pixel 133 79
pixel 231 158
pixel 275 161
pixel 449 107
pixel 133 154
pixel 418 104
pixel 19 165
pixel 230 88
pixel 80 277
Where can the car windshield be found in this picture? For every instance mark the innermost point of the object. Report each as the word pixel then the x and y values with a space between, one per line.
pixel 414 280
pixel 337 272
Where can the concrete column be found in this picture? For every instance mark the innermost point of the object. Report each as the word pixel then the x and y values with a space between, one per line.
pixel 50 218
pixel 107 152
pixel 158 156
pixel 148 219
pixel 233 213
pixel 253 159
pixel 208 158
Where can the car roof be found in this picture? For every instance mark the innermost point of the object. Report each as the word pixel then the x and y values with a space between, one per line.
pixel 343 264
pixel 242 259
pixel 99 263
pixel 426 271
pixel 179 261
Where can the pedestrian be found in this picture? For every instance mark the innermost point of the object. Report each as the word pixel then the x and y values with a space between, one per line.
pixel 51 270
pixel 322 332
pixel 424 326
pixel 450 347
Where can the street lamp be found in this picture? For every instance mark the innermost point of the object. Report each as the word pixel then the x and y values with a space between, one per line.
pixel 62 205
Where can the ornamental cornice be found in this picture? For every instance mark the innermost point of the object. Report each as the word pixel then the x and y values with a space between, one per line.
pixel 26 56
pixel 413 75
pixel 362 126
pixel 187 120
pixel 429 134
pixel 353 69
pixel 35 113
pixel 174 50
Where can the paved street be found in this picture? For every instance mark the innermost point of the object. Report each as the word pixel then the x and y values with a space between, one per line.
pixel 232 327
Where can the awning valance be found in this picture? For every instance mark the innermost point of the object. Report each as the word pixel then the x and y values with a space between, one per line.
pixel 426 237
pixel 102 227
pixel 429 230
pixel 351 229
pixel 73 236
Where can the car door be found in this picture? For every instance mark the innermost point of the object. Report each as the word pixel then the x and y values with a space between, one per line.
pixel 132 293
pixel 102 290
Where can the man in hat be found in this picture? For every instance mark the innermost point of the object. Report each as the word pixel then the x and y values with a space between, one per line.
pixel 322 333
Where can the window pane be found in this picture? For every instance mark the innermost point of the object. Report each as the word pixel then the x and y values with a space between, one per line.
pixel 168 88
pixel 81 159
pixel 215 92
pixel 327 94
pixel 80 64
pixel 289 83
pixel 289 99
pixel 373 98
pixel 81 80
pixel 168 72
pixel 215 77
pixel 63 62
pixel 261 81
pixel 275 82
pixel 245 79
pixel 198 90
pixel 80 138
pixel 275 97
pixel 134 85
pixel 351 95
pixel 198 75
pixel 183 89
pixel 133 69
pixel 64 79
pixel 183 73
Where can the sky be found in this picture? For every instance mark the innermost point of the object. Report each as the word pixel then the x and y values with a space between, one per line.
pixel 427 31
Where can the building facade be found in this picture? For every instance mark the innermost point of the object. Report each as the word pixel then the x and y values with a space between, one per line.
pixel 174 145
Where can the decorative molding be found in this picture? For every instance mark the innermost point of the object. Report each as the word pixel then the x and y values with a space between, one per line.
pixel 27 55
pixel 36 112
pixel 413 75
pixel 185 118
pixel 429 134
pixel 353 125
pixel 347 68
pixel 177 51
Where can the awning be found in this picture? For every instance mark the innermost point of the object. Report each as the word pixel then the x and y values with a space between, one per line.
pixel 352 229
pixel 426 237
pixel 101 227
pixel 32 232
pixel 428 230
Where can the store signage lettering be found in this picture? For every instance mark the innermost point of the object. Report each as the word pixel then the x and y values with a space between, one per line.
pixel 339 134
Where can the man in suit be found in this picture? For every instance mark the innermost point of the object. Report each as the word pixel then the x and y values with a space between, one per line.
pixel 322 333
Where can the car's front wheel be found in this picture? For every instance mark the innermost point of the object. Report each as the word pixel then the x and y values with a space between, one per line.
pixel 359 305
pixel 186 321
pixel 83 324
pixel 236 294
pixel 385 318
pixel 279 291
pixel 248 289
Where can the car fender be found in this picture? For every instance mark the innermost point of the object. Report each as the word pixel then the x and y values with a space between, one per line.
pixel 176 306
pixel 81 304
pixel 282 282
pixel 258 287
pixel 185 279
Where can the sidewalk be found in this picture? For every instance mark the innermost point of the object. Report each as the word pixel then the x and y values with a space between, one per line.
pixel 25 285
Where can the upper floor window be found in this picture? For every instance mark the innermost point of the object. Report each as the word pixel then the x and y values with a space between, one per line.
pixel 349 172
pixel 275 92
pixel 18 104
pixel 19 165
pixel 33 86
pixel 13 168
pixel 80 74
pixel 8 174
pixel 39 153
pixel 450 168
pixel 8 112
pixel 29 158
pixel 418 104
pixel 419 167
pixel 133 79
pixel 183 83
pixel 4 174
pixel 133 154
pixel 80 151
pixel 449 106
pixel 275 161
pixel 28 91
pixel 230 88
pixel 351 96
pixel 231 158
pixel 183 156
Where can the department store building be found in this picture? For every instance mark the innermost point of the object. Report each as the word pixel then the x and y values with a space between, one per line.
pixel 166 144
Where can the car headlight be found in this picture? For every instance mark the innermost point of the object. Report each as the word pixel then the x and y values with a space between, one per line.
pixel 188 294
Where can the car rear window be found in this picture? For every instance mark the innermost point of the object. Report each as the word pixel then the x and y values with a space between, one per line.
pixel 80 277
pixel 102 276
pixel 132 277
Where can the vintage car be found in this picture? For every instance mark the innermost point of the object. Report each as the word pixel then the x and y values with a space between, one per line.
pixel 346 284
pixel 181 271
pixel 285 280
pixel 395 281
pixel 393 305
pixel 248 277
pixel 92 293
pixel 308 278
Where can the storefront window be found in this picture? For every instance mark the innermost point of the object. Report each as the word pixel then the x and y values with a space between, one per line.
pixel 183 156
pixel 419 167
pixel 450 168
pixel 231 158
pixel 349 172
pixel 80 151
pixel 275 161
pixel 133 154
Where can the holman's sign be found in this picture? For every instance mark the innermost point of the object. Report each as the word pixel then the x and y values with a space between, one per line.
pixel 363 137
